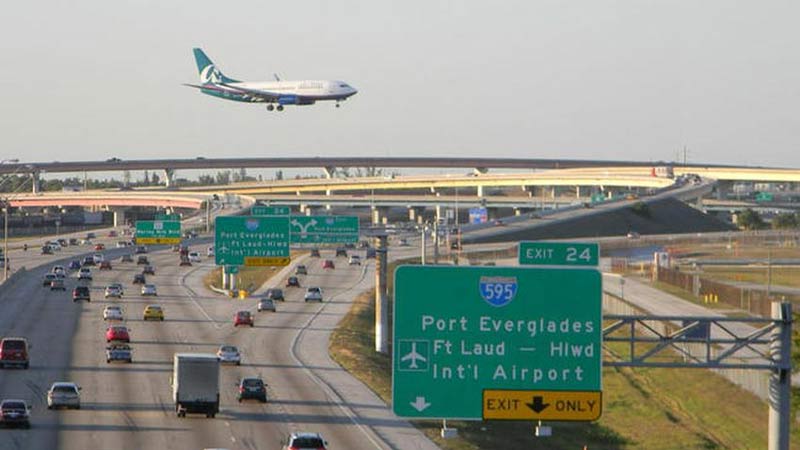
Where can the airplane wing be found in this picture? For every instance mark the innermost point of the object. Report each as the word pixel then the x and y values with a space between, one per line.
pixel 265 96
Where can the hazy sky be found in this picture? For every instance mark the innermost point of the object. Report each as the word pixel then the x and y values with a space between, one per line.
pixel 601 79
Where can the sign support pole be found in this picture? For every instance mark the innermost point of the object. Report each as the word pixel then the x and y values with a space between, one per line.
pixel 780 381
pixel 208 215
pixel 381 312
pixel 424 250
pixel 224 279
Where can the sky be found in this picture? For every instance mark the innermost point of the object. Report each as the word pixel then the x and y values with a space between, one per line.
pixel 634 80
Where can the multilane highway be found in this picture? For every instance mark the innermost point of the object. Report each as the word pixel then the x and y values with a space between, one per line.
pixel 130 406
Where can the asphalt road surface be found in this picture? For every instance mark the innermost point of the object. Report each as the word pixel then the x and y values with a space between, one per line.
pixel 129 406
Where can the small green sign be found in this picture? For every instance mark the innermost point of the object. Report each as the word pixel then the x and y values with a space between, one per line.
pixel 232 269
pixel 598 197
pixel 324 229
pixel 158 232
pixel 251 241
pixel 270 211
pixel 459 331
pixel 168 217
pixel 558 254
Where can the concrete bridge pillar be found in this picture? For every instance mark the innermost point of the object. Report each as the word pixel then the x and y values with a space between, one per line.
pixel 330 171
pixel 169 177
pixel 119 215
pixel 380 215
pixel 35 182
pixel 480 190
pixel 577 192
pixel 415 213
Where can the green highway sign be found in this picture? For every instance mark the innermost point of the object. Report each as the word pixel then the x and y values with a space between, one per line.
pixel 251 241
pixel 270 211
pixel 460 331
pixel 158 232
pixel 323 229
pixel 558 254
pixel 168 217
pixel 232 269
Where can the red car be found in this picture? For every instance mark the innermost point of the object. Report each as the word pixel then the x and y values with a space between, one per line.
pixel 100 247
pixel 112 233
pixel 243 318
pixel 105 265
pixel 117 333
pixel 328 264
pixel 292 282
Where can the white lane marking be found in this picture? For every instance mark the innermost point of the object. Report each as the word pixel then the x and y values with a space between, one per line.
pixel 322 383
pixel 194 299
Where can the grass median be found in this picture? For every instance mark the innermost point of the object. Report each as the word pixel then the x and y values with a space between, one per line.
pixel 248 278
pixel 649 409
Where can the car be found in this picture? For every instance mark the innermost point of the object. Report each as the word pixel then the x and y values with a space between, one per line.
pixel 15 413
pixel 81 293
pixel 149 290
pixel 90 235
pixel 153 312
pixel 141 249
pixel 64 394
pixel 122 244
pixel 118 333
pixel 242 318
pixel 355 260
pixel 328 264
pixel 138 278
pixel 363 244
pixel 229 354
pixel 292 282
pixel 176 248
pixel 301 270
pixel 14 352
pixel 498 223
pixel 305 441
pixel 98 258
pixel 126 258
pixel 113 312
pixel 633 235
pixel 341 251
pixel 148 270
pixel 105 265
pixel 46 250
pixel 266 304
pixel 252 388
pixel 55 246
pixel 112 291
pixel 313 294
pixel 371 253
pixel 119 352
pixel 142 260
pixel 274 294
pixel 47 279
pixel 86 242
pixel 99 247
pixel 194 257
pixel 185 261
pixel 112 233
pixel 403 242
pixel 74 265
pixel 87 261
pixel 85 274
pixel 314 253
pixel 58 270
pixel 210 252
pixel 118 286
pixel 57 285
pixel 73 241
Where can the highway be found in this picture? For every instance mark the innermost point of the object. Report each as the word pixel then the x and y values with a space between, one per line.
pixel 130 406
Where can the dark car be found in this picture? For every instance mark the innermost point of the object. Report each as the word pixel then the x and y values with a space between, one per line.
pixel 139 278
pixel 14 352
pixel 105 265
pixel 142 260
pixel 15 413
pixel 292 282
pixel 141 250
pixel 341 251
pixel 47 279
pixel 74 265
pixel 88 261
pixel 274 294
pixel 371 253
pixel 149 270
pixel 243 318
pixel 81 293
pixel 315 253
pixel 252 388
pixel 185 261
pixel 301 270
pixel 73 241
pixel 126 258
pixel 46 250
pixel 57 285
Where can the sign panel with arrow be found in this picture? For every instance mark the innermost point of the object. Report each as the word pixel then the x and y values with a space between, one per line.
pixel 251 241
pixel 323 229
pixel 499 404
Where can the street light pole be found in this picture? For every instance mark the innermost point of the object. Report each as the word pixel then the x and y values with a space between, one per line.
pixel 5 240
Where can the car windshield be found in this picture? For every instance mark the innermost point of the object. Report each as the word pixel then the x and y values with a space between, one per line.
pixel 228 349
pixel 64 389
pixel 252 383
pixel 13 345
pixel 119 330
pixel 308 442
pixel 113 308
pixel 313 289
pixel 13 405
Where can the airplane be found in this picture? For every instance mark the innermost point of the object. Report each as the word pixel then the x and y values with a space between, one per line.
pixel 413 356
pixel 276 94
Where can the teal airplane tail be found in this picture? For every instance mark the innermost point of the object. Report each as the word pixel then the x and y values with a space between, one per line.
pixel 209 73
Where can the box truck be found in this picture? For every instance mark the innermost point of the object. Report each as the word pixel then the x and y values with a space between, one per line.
pixel 195 384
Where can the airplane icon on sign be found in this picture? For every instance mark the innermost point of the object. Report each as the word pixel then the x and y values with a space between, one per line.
pixel 414 356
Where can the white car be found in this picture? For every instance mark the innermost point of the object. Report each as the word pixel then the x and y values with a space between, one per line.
pixel 64 393
pixel 54 246
pixel 229 354
pixel 113 312
pixel 210 252
pixel 194 257
pixel 98 258
pixel 313 294
pixel 113 290
pixel 85 273
pixel 149 289
pixel 355 260
pixel 59 271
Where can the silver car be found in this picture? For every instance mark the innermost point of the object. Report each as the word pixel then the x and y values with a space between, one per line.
pixel 229 354
pixel 149 289
pixel 266 304
pixel 64 394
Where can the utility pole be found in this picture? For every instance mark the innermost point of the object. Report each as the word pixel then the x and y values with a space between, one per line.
pixel 208 215
pixel 381 310
pixel 5 239
pixel 424 238
pixel 769 274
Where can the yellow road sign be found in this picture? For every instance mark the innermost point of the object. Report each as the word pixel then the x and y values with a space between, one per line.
pixel 542 405
pixel 156 241
pixel 266 261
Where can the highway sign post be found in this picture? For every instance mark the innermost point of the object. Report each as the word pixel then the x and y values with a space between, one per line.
pixel 323 229
pixel 558 254
pixel 270 211
pixel 158 232
pixel 463 334
pixel 251 241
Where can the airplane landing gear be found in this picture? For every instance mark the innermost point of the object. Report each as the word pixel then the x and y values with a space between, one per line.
pixel 280 108
pixel 337 104
pixel 270 107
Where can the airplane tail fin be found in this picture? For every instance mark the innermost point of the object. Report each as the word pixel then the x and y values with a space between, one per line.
pixel 209 73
